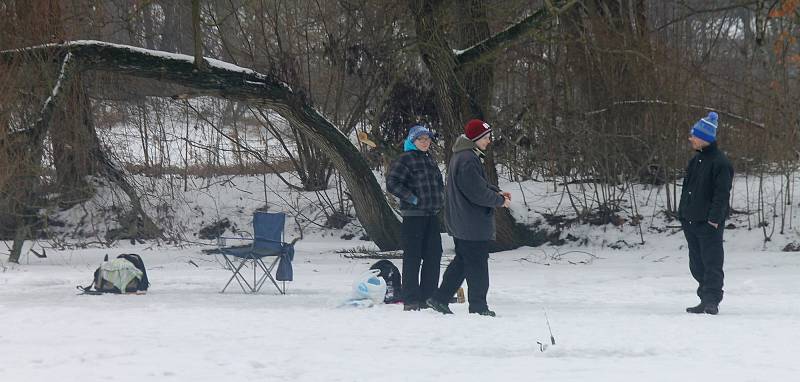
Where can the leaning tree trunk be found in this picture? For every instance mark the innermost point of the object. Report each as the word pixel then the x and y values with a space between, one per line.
pixel 25 147
pixel 232 82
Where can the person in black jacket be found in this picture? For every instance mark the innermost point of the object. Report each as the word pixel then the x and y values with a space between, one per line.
pixel 469 218
pixel 702 211
pixel 415 179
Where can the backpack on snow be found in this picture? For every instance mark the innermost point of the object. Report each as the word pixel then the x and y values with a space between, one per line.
pixel 125 274
pixel 390 273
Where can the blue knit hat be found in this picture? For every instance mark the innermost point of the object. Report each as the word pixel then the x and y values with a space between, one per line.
pixel 706 128
pixel 418 131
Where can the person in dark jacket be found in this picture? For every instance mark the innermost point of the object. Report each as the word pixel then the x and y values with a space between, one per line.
pixel 702 211
pixel 469 218
pixel 415 179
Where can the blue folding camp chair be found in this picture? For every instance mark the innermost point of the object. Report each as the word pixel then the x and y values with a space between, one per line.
pixel 267 241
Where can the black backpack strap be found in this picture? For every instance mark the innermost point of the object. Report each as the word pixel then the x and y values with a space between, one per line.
pixel 88 290
pixel 95 282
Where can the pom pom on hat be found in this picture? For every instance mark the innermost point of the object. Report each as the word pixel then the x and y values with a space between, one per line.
pixel 476 129
pixel 706 128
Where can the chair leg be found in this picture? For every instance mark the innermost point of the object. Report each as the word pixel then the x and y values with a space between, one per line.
pixel 258 280
pixel 240 279
pixel 258 263
pixel 268 275
pixel 229 264
pixel 271 267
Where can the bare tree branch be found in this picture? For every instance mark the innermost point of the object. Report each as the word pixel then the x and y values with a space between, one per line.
pixel 666 103
pixel 512 34
pixel 694 12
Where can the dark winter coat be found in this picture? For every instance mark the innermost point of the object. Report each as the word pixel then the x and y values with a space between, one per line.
pixel 471 200
pixel 416 180
pixel 706 187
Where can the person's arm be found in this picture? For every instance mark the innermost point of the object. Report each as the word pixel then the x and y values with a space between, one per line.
pixel 686 173
pixel 722 178
pixel 500 192
pixel 397 179
pixel 475 188
pixel 684 184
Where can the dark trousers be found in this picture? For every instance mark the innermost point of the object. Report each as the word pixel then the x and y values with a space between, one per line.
pixel 422 244
pixel 471 263
pixel 706 256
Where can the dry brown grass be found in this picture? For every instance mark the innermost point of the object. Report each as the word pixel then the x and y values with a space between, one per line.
pixel 208 170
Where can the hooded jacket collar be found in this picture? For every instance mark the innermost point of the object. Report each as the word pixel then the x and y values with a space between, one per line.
pixel 463 143
pixel 710 149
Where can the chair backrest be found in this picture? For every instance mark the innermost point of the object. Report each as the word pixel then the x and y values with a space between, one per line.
pixel 268 226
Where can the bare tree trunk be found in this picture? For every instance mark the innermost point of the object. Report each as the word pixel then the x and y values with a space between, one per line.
pixel 177 26
pixel 148 27
pixel 197 34
pixel 28 152
pixel 463 83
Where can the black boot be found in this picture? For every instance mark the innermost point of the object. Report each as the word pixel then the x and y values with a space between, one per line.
pixel 438 306
pixel 486 312
pixel 704 308
pixel 700 308
pixel 410 307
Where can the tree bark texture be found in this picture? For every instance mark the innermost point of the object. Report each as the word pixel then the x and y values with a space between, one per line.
pixel 463 81
pixel 197 34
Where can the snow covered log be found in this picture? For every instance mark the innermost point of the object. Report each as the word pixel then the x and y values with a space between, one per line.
pixel 222 79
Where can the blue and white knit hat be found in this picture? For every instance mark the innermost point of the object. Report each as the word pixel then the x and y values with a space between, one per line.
pixel 706 128
pixel 418 131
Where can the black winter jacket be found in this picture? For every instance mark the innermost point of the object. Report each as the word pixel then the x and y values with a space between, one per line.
pixel 414 174
pixel 471 199
pixel 707 187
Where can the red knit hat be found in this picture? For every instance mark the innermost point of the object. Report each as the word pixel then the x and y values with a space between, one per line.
pixel 476 129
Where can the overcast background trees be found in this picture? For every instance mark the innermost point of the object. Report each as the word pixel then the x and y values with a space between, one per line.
pixel 592 97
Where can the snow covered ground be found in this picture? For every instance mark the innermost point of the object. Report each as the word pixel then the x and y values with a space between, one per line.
pixel 616 316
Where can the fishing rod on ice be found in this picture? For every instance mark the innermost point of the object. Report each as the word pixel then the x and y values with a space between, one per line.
pixel 543 346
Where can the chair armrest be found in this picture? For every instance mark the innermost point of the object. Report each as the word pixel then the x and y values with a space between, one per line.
pixel 295 240
pixel 268 240
pixel 221 240
pixel 235 238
